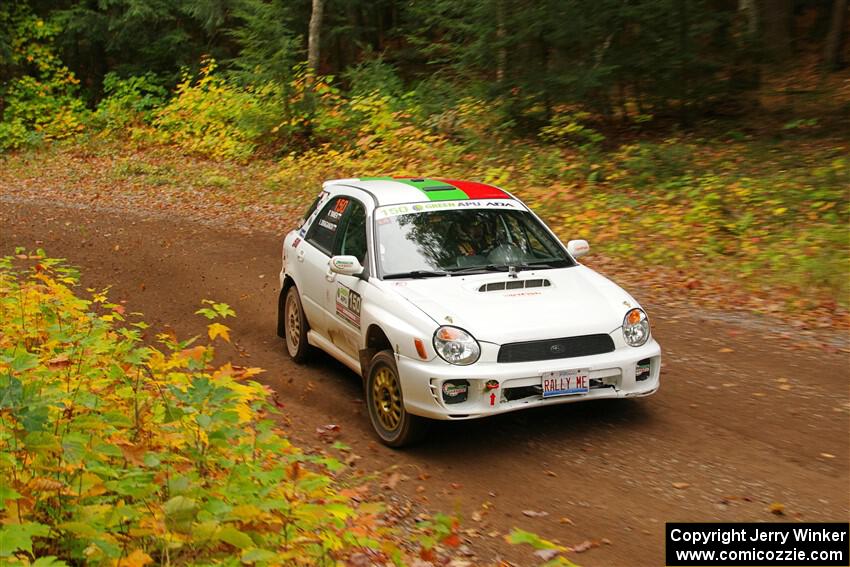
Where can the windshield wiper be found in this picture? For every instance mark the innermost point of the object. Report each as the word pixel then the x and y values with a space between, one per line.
pixel 416 274
pixel 474 269
pixel 544 265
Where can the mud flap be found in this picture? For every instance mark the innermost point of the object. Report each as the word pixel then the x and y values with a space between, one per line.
pixel 366 356
pixel 281 323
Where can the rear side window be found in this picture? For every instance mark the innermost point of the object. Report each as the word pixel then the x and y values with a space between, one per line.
pixel 323 231
pixel 312 208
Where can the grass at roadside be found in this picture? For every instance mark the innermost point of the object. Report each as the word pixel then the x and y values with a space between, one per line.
pixel 754 224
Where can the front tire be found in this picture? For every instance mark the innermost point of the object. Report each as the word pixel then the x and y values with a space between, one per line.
pixel 295 326
pixel 393 424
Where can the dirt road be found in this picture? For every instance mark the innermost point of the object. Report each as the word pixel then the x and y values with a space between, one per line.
pixel 742 421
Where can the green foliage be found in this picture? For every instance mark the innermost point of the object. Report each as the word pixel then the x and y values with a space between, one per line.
pixel 374 76
pixel 38 102
pixel 128 102
pixel 268 48
pixel 135 37
pixel 569 128
pixel 546 549
pixel 113 451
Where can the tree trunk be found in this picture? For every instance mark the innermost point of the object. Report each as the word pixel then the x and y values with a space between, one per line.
pixel 776 17
pixel 749 9
pixel 502 53
pixel 314 36
pixel 746 72
pixel 832 53
pixel 683 88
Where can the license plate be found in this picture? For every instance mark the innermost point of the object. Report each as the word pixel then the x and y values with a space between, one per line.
pixel 565 383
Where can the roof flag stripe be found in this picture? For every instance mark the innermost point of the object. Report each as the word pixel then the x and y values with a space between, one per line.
pixel 436 190
pixel 475 190
pixel 446 189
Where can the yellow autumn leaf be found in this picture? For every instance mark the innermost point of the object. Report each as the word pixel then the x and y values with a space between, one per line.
pixel 250 372
pixel 245 512
pixel 218 330
pixel 225 370
pixel 136 559
pixel 245 413
pixel 246 392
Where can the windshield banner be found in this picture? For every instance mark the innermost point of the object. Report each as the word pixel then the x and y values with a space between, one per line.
pixel 414 208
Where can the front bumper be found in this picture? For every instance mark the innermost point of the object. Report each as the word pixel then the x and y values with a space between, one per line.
pixel 612 375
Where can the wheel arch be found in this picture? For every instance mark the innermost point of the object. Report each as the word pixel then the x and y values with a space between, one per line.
pixel 376 341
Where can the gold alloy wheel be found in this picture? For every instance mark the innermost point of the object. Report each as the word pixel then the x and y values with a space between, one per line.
pixel 293 323
pixel 386 398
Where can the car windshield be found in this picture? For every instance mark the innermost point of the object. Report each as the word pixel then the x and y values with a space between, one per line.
pixel 423 243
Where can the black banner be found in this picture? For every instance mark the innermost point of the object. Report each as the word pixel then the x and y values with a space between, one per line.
pixel 805 544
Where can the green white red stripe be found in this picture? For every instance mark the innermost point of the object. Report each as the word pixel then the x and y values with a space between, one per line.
pixel 447 189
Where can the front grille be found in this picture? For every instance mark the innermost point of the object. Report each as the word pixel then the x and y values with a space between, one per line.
pixel 551 349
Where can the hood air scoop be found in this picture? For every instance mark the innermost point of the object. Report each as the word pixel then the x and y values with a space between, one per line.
pixel 514 284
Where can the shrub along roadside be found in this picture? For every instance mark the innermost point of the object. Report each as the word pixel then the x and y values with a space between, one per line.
pixel 112 451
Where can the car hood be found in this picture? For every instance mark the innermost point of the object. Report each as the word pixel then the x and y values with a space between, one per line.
pixel 569 301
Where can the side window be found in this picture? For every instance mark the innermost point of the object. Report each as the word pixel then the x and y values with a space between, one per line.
pixel 353 241
pixel 312 208
pixel 323 231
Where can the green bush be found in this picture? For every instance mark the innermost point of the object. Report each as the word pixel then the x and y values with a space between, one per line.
pixel 115 451
pixel 129 102
pixel 570 128
pixel 214 117
pixel 40 101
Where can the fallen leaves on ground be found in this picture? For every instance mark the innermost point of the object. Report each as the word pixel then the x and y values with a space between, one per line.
pixel 328 433
pixel 546 554
pixel 585 546
pixel 392 481
pixel 534 513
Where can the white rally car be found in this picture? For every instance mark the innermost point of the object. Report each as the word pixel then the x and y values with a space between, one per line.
pixel 454 301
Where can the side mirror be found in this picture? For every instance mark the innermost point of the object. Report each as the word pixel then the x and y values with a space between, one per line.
pixel 578 248
pixel 345 265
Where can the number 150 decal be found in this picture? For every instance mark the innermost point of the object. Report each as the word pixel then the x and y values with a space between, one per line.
pixel 348 305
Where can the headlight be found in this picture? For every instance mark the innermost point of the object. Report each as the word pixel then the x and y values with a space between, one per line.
pixel 456 346
pixel 636 328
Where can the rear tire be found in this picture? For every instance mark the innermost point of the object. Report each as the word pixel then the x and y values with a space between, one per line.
pixel 295 327
pixel 393 424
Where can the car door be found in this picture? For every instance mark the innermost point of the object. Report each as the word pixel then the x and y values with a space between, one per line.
pixel 344 305
pixel 317 282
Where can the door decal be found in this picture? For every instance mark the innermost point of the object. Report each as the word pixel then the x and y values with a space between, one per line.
pixel 348 305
